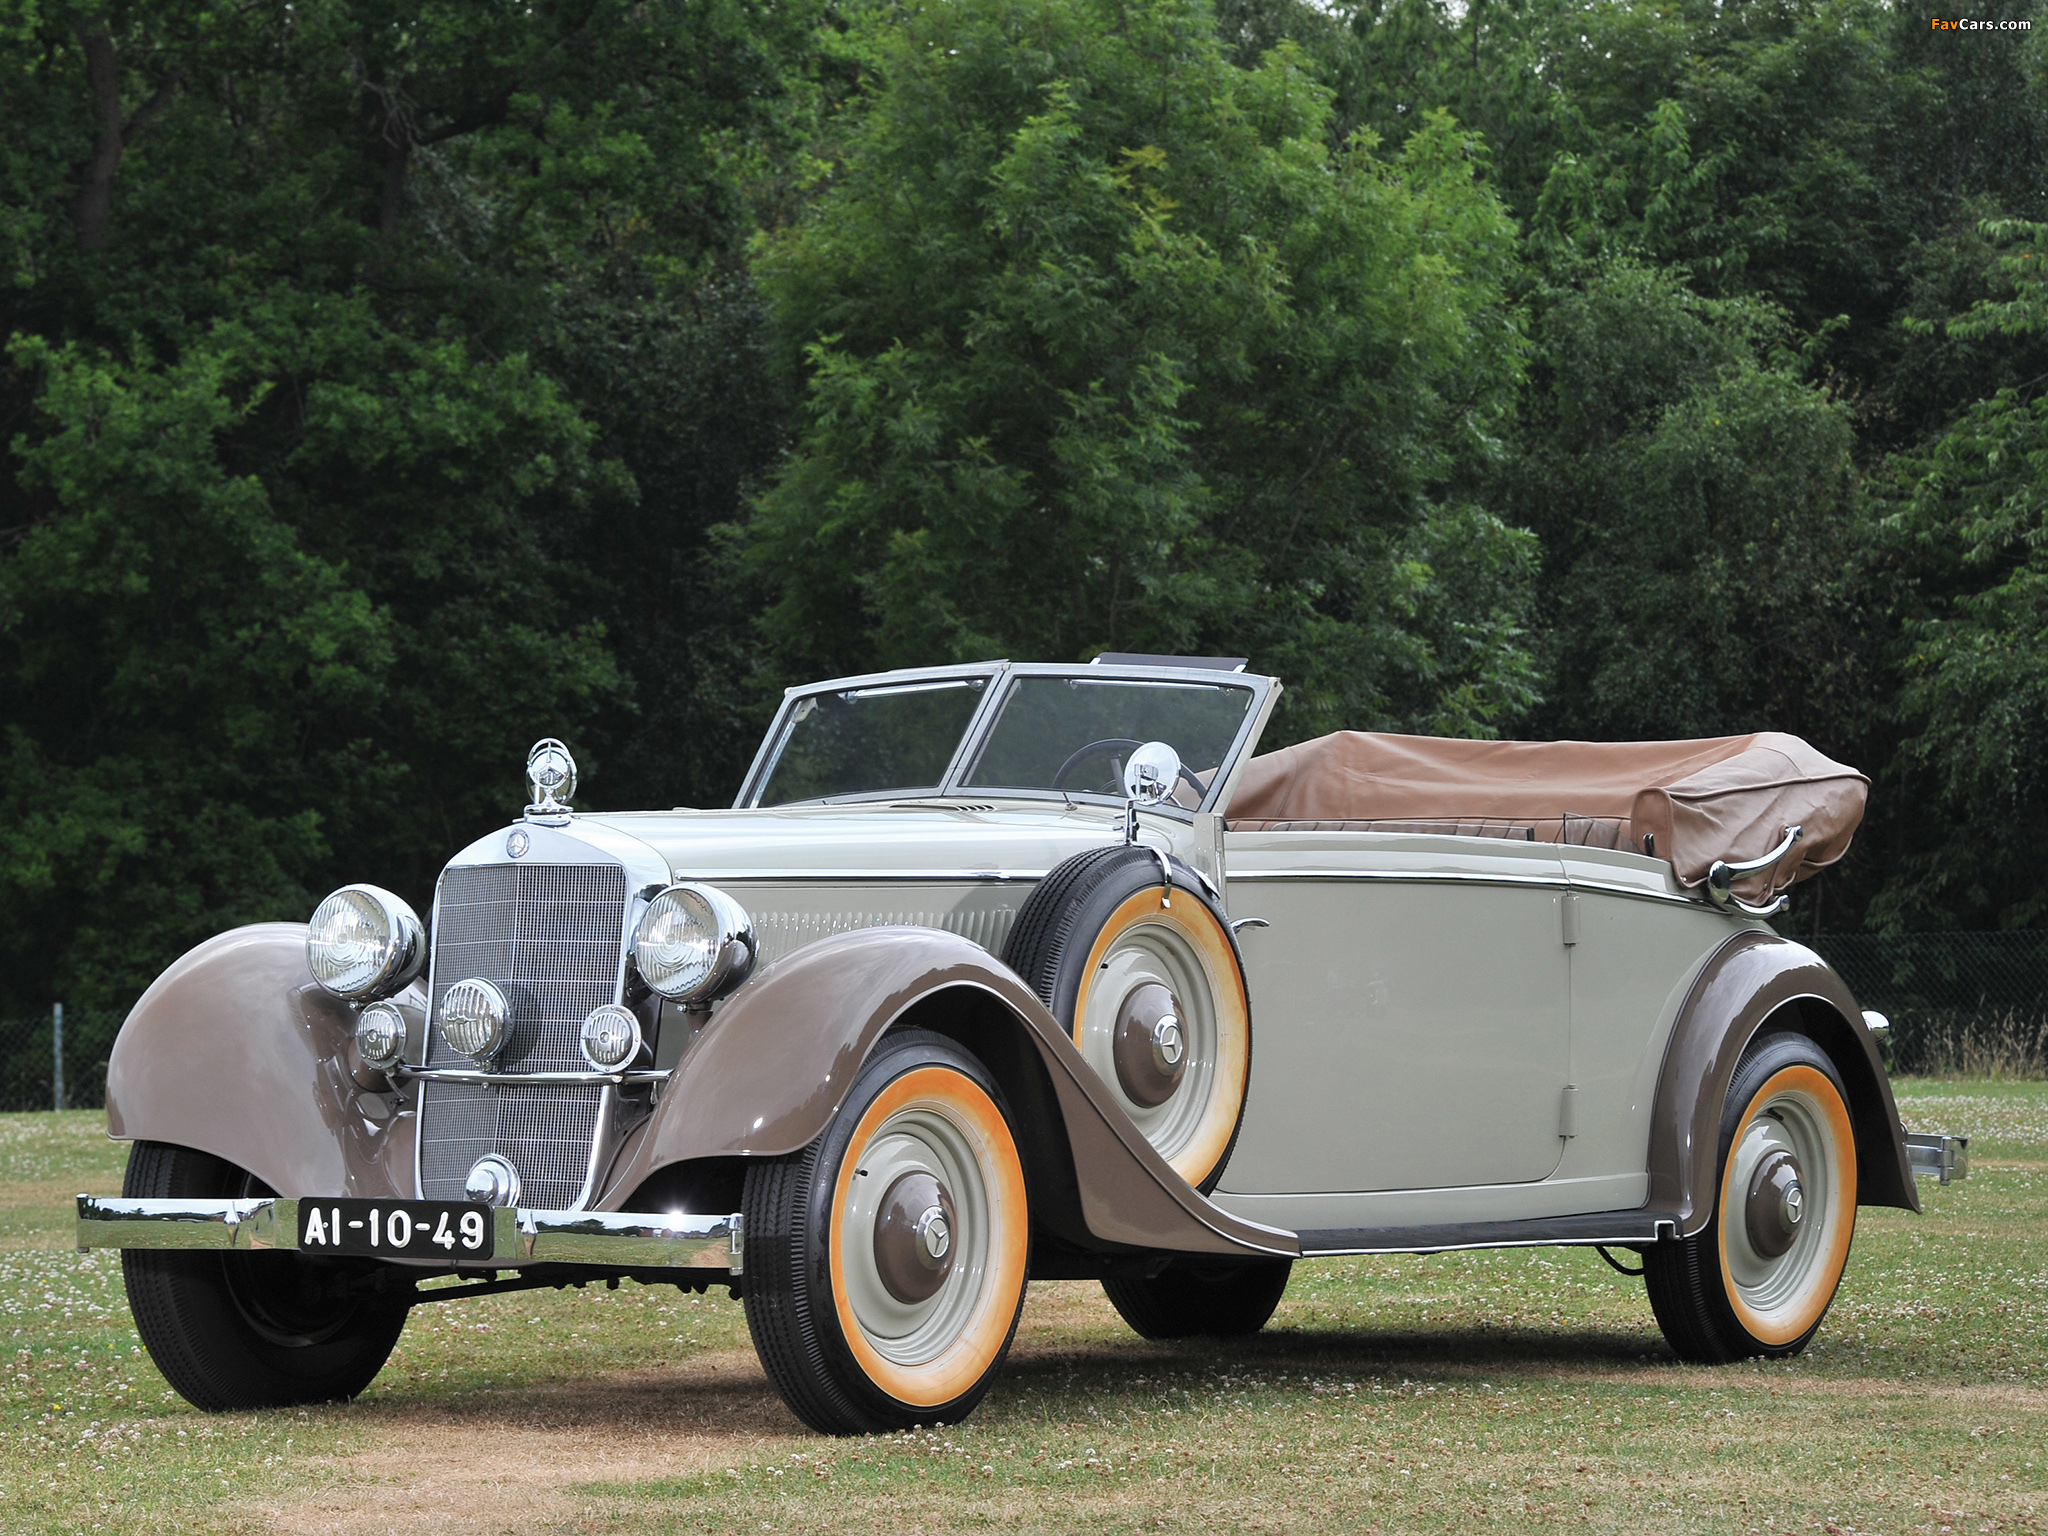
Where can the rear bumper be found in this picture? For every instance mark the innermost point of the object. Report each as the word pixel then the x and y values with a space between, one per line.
pixel 629 1239
pixel 1947 1158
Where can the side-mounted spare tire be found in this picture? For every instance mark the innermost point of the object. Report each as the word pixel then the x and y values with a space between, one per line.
pixel 1149 984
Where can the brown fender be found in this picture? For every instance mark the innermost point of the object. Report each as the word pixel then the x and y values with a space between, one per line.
pixel 1753 981
pixel 235 1050
pixel 772 1066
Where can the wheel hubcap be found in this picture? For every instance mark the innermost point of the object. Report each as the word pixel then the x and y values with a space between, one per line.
pixel 1150 1047
pixel 914 1234
pixel 1782 1210
pixel 1776 1201
pixel 914 1237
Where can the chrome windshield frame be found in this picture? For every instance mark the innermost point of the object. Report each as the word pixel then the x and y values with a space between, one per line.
pixel 776 738
pixel 1000 677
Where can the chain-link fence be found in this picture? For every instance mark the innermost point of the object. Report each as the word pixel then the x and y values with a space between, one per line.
pixel 29 1066
pixel 1974 1003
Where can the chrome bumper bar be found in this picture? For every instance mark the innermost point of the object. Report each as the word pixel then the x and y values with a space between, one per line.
pixel 629 1239
pixel 1946 1157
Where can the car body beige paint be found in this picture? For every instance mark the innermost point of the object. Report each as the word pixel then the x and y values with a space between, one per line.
pixel 1638 945
pixel 1420 1003
pixel 1425 996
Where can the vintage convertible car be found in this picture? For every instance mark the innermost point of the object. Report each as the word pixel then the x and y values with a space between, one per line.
pixel 1001 971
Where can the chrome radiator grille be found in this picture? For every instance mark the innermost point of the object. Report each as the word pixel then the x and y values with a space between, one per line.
pixel 548 936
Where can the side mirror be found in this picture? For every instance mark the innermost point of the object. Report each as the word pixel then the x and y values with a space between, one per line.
pixel 1150 774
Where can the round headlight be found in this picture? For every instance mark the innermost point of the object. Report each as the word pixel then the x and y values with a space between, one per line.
pixel 380 1036
pixel 473 1019
pixel 610 1038
pixel 694 943
pixel 364 942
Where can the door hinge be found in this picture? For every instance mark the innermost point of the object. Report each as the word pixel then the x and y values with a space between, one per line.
pixel 1568 1111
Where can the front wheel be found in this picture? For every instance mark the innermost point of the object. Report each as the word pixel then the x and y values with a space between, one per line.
pixel 249 1330
pixel 1758 1278
pixel 886 1262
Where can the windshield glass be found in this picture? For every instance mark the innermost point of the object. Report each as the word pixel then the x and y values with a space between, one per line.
pixel 1074 733
pixel 894 738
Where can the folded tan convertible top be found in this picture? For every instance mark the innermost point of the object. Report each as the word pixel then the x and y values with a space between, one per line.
pixel 1690 802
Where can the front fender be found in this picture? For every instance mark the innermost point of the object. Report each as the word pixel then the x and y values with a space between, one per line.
pixel 772 1067
pixel 235 1050
pixel 1753 981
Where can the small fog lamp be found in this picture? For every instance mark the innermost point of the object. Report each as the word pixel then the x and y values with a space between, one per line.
pixel 380 1036
pixel 474 1017
pixel 611 1038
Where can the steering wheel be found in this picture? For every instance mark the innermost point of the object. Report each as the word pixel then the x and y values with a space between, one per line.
pixel 1115 745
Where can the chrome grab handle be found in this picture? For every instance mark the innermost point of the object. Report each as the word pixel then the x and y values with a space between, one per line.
pixel 1721 878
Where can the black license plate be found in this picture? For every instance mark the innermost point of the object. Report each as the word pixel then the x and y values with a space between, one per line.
pixel 393 1229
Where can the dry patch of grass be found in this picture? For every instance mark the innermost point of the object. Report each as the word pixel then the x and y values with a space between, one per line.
pixel 1506 1391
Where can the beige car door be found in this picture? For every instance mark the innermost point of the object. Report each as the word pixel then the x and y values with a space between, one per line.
pixel 1410 1005
pixel 1638 942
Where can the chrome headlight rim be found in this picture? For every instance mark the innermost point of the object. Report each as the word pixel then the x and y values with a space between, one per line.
pixel 726 944
pixel 400 945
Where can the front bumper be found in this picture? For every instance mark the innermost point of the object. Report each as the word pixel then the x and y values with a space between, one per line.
pixel 628 1239
pixel 1946 1157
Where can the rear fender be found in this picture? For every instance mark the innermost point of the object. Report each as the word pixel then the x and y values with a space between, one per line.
pixel 1756 982
pixel 235 1050
pixel 773 1065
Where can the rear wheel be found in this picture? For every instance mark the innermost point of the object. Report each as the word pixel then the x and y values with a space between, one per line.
pixel 1221 1301
pixel 249 1330
pixel 1758 1278
pixel 886 1263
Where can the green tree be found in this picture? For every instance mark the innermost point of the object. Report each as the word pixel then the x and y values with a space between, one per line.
pixel 376 373
pixel 1972 526
pixel 1701 520
pixel 1107 347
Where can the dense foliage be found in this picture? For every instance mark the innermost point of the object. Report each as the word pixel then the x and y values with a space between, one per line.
pixel 388 386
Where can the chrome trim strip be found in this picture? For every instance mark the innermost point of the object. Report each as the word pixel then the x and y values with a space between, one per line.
pixel 1452 877
pixel 740 880
pixel 1636 892
pixel 464 1075
pixel 630 1239
pixel 1414 877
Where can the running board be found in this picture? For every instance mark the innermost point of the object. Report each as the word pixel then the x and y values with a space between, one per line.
pixel 1602 1229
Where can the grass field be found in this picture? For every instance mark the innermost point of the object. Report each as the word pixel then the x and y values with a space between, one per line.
pixel 1502 1391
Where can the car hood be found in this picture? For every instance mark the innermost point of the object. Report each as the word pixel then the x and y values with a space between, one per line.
pixel 943 839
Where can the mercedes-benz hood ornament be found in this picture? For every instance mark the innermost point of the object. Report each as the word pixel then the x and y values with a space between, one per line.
pixel 551 780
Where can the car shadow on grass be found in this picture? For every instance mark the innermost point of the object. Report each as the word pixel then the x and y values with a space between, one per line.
pixel 1461 1352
